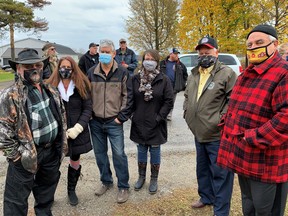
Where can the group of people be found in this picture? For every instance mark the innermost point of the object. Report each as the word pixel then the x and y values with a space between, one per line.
pixel 239 123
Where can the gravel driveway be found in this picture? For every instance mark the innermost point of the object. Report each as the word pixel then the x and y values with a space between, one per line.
pixel 177 171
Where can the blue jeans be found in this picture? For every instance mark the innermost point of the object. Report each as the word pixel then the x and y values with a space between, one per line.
pixel 155 153
pixel 215 184
pixel 99 133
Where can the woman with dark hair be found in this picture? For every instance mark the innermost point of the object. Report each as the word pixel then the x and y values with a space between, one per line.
pixel 152 102
pixel 75 91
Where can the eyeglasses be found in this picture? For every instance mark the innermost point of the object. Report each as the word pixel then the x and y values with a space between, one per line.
pixel 52 49
pixel 32 66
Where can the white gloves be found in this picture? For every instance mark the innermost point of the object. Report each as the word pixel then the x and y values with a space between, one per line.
pixel 75 131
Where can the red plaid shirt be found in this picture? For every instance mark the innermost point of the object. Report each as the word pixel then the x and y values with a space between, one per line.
pixel 254 140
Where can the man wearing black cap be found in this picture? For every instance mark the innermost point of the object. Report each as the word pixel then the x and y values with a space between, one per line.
pixel 177 73
pixel 32 137
pixel 126 57
pixel 89 59
pixel 206 99
pixel 254 141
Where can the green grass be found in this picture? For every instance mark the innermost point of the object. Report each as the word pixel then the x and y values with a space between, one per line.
pixel 6 76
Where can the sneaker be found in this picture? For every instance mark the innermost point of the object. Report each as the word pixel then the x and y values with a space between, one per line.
pixel 122 195
pixel 103 188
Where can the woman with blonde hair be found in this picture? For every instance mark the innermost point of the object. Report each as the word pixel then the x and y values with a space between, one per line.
pixel 75 91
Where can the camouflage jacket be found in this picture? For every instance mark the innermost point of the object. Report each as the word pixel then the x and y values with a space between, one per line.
pixel 16 140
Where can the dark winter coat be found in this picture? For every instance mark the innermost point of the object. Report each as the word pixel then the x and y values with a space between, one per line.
pixel 87 61
pixel 149 120
pixel 129 57
pixel 180 73
pixel 79 110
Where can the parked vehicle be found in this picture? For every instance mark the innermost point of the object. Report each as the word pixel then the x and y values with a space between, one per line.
pixel 6 68
pixel 231 60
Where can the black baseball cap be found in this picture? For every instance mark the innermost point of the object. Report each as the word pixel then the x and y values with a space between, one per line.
pixel 93 45
pixel 175 50
pixel 207 41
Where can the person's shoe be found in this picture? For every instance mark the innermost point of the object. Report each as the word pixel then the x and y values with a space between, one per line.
pixel 198 204
pixel 103 188
pixel 169 117
pixel 122 195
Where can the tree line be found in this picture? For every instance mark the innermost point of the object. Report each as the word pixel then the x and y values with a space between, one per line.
pixel 163 24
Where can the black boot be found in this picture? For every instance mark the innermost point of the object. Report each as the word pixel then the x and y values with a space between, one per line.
pixel 142 175
pixel 154 177
pixel 73 176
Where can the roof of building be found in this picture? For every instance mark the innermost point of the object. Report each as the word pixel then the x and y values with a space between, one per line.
pixel 61 49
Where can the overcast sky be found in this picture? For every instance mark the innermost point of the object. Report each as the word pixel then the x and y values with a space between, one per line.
pixel 76 23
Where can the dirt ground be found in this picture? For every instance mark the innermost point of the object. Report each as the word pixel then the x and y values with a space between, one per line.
pixel 177 171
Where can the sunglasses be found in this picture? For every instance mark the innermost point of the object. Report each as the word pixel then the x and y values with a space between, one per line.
pixel 52 49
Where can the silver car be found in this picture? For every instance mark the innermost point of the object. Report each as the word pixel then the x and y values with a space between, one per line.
pixel 231 60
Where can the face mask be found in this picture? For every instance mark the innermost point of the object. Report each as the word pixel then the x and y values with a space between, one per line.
pixel 149 65
pixel 105 58
pixel 258 55
pixel 65 73
pixel 206 61
pixel 33 76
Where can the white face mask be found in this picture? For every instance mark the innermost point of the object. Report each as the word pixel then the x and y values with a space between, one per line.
pixel 149 65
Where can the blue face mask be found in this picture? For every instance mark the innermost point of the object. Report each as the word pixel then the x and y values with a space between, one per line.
pixel 105 58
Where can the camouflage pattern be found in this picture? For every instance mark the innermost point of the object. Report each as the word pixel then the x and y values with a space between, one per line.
pixel 16 140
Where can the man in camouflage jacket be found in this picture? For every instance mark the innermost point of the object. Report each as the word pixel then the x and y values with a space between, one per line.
pixel 32 137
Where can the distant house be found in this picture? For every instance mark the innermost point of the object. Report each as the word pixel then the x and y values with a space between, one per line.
pixel 5 51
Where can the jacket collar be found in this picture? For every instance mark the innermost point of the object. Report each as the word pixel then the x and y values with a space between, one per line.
pixel 114 67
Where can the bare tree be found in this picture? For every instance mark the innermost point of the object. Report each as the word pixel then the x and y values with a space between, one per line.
pixel 152 24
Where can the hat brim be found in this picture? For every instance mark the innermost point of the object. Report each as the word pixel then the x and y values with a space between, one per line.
pixel 30 61
pixel 204 44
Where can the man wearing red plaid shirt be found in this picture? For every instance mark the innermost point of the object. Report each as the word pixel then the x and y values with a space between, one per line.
pixel 254 142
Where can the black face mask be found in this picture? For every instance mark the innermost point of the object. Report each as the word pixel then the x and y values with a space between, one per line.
pixel 206 61
pixel 65 73
pixel 30 78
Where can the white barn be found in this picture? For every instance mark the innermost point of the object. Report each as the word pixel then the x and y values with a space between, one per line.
pixel 5 51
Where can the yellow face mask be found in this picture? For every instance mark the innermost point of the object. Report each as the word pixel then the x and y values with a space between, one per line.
pixel 258 55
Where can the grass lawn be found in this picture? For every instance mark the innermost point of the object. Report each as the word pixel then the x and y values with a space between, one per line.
pixel 6 76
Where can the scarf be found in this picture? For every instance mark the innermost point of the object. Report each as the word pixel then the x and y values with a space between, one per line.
pixel 65 95
pixel 146 79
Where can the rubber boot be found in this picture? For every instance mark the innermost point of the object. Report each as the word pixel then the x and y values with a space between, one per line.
pixel 153 187
pixel 142 175
pixel 73 176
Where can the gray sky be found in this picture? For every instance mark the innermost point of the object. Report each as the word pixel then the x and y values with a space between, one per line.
pixel 76 23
